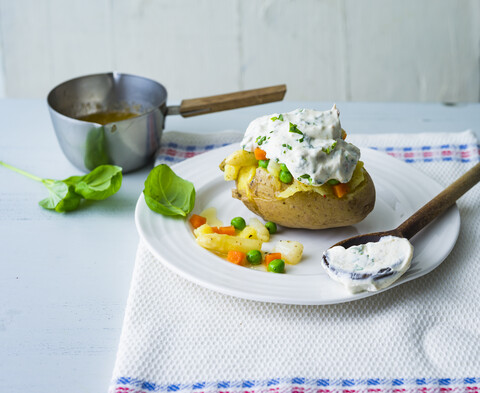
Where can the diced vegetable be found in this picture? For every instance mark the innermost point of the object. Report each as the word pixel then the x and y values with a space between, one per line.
pixel 344 134
pixel 197 220
pixel 340 189
pixel 263 163
pixel 285 177
pixel 262 232
pixel 271 226
pixel 236 257
pixel 238 223
pixel 273 168
pixel 202 230
pixel 254 257
pixel 270 257
pixel 276 266
pixel 224 243
pixel 230 230
pixel 290 250
pixel 260 154
pixel 248 232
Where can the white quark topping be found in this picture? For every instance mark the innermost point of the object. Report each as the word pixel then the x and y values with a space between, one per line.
pixel 308 142
pixel 371 266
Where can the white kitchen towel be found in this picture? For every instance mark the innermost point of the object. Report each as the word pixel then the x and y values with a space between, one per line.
pixel 422 336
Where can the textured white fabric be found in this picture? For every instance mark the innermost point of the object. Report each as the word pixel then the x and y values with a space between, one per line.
pixel 176 332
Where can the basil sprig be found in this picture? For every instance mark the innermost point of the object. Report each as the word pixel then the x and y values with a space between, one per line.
pixel 168 194
pixel 66 195
pixel 102 182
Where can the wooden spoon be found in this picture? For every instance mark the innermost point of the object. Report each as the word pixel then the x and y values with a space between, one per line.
pixel 425 214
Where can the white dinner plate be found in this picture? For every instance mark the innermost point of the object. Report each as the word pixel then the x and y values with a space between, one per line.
pixel 401 190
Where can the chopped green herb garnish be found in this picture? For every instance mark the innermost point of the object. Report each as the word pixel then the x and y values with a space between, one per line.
pixel 287 146
pixel 306 176
pixel 294 128
pixel 279 117
pixel 328 150
pixel 260 140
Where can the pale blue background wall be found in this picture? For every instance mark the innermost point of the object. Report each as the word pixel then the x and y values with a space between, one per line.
pixel 355 50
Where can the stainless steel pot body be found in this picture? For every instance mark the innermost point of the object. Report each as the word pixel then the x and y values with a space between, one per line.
pixel 129 143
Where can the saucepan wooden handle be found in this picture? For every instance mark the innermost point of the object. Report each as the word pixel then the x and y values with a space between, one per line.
pixel 223 102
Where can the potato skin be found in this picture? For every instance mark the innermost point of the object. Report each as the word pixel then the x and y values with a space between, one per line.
pixel 308 210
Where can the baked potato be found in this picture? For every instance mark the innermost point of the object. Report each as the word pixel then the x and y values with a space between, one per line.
pixel 300 206
pixel 305 175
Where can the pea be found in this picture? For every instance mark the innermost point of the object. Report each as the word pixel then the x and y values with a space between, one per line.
pixel 284 168
pixel 238 223
pixel 285 177
pixel 254 257
pixel 263 163
pixel 332 182
pixel 271 226
pixel 276 266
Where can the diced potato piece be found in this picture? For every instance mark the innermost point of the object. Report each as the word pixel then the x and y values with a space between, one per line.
pixel 241 158
pixel 273 168
pixel 224 243
pixel 262 231
pixel 291 251
pixel 230 172
pixel 202 230
pixel 248 232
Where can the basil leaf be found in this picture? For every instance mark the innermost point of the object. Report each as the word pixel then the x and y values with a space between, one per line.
pixel 168 194
pixel 73 180
pixel 61 198
pixel 102 182
pixel 96 149
pixel 65 195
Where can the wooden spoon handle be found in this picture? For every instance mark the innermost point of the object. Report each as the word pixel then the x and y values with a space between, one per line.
pixel 223 102
pixel 439 204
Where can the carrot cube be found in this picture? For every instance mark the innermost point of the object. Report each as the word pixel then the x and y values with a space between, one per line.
pixel 260 154
pixel 270 257
pixel 340 189
pixel 197 220
pixel 230 230
pixel 236 257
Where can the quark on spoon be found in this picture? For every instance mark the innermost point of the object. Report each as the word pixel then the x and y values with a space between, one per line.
pixel 371 266
pixel 310 143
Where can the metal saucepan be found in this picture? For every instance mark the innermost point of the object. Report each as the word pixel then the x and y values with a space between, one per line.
pixel 88 140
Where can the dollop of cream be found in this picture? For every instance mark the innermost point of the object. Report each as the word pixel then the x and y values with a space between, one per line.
pixel 371 266
pixel 308 142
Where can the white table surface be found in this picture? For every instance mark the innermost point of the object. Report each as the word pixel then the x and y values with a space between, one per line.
pixel 64 278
